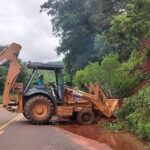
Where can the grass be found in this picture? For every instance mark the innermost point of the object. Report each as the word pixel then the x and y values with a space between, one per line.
pixel 0 99
pixel 113 127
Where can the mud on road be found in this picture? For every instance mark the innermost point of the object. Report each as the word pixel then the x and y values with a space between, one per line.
pixel 117 141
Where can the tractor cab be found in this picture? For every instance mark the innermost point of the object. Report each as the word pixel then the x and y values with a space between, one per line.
pixel 53 89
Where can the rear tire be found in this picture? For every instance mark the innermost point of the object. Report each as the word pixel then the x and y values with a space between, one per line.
pixel 85 117
pixel 25 115
pixel 39 109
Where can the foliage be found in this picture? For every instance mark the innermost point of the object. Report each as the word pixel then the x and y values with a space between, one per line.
pixel 49 76
pixel 105 36
pixel 114 127
pixel 24 73
pixel 118 78
pixel 0 99
pixel 135 113
pixel 127 30
pixel 78 22
pixel 67 79
pixel 89 74
pixel 127 76
pixel 102 45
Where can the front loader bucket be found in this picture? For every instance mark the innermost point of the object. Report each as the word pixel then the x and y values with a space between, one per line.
pixel 111 104
pixel 105 105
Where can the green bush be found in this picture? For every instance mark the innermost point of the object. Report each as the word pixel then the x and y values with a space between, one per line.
pixel 136 113
pixel 114 127
pixel 95 72
pixel 143 130
pixel 90 74
pixel 119 79
pixel 122 85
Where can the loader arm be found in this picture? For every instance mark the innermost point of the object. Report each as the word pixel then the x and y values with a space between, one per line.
pixel 10 54
pixel 95 96
pixel 106 105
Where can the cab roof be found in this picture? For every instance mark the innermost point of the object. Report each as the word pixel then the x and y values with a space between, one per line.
pixel 45 66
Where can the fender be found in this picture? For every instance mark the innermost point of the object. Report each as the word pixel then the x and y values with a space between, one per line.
pixel 35 91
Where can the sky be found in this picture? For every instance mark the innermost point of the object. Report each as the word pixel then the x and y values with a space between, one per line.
pixel 21 22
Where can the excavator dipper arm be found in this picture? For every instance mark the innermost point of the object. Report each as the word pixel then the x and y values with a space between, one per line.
pixel 10 54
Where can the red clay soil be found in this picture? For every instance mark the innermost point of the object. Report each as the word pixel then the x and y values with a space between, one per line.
pixel 141 85
pixel 145 68
pixel 145 44
pixel 117 141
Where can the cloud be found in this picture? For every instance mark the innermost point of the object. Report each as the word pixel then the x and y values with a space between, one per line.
pixel 21 22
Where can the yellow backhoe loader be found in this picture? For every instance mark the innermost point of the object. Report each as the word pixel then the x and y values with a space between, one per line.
pixel 38 105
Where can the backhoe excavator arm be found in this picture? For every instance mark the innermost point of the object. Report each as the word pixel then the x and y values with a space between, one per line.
pixel 10 54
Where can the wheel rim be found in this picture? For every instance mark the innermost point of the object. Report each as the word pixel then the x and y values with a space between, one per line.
pixel 40 110
pixel 86 117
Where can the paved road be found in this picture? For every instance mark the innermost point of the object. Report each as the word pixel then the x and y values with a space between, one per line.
pixel 16 133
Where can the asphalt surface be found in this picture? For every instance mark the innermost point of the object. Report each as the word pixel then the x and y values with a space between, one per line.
pixel 16 133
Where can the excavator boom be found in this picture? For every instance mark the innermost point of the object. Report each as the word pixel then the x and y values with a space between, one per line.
pixel 10 54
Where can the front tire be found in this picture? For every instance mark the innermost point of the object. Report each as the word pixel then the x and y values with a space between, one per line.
pixel 85 117
pixel 39 109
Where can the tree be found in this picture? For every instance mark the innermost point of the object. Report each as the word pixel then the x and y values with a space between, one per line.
pixel 78 22
pixel 127 30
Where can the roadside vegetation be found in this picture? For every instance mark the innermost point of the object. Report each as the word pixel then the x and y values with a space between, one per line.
pixel 118 79
pixel 0 99
pixel 121 77
pixel 108 42
pixel 136 113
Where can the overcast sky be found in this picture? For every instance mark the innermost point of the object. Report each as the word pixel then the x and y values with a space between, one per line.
pixel 21 22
